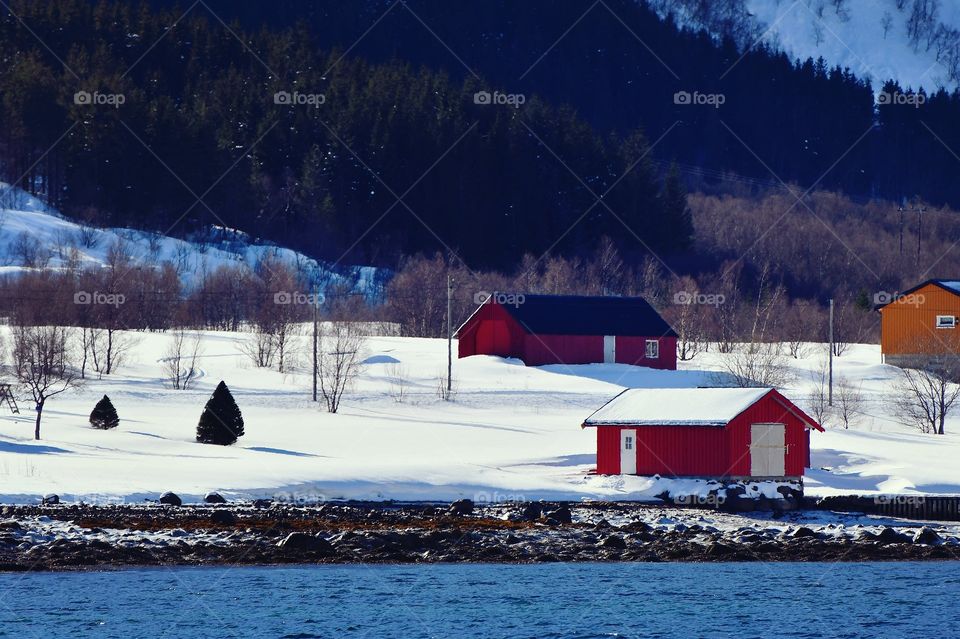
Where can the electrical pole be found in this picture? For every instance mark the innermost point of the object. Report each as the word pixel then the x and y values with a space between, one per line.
pixel 316 334
pixel 449 336
pixel 920 210
pixel 830 391
pixel 900 209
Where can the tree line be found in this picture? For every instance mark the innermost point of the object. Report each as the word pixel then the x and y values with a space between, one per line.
pixel 118 118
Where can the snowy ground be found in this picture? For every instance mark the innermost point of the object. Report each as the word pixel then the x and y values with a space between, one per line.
pixel 57 240
pixel 512 432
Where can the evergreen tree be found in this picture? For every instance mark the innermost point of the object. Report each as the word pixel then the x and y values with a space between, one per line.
pixel 675 208
pixel 104 415
pixel 221 422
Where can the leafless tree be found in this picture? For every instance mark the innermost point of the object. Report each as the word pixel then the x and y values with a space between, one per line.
pixel 180 360
pixel 42 364
pixel 926 394
pixel 259 348
pixel 757 364
pixel 399 381
pixel 849 401
pixel 818 401
pixel 339 361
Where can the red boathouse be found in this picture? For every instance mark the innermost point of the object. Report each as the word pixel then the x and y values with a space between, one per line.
pixel 702 432
pixel 566 329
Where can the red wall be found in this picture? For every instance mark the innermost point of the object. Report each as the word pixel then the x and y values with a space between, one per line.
pixel 536 350
pixel 633 350
pixel 709 451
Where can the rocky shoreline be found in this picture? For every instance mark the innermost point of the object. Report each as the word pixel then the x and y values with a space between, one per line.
pixel 77 536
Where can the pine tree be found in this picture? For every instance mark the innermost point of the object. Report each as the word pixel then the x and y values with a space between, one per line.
pixel 221 422
pixel 104 415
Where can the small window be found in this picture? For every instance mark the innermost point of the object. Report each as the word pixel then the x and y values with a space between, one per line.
pixel 628 443
pixel 946 321
pixel 653 349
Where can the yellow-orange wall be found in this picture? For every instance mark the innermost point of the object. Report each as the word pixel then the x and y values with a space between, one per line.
pixel 909 324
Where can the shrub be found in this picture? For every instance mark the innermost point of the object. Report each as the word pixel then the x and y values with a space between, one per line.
pixel 221 422
pixel 104 415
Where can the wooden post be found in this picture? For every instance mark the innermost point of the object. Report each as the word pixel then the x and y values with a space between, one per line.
pixel 449 336
pixel 830 385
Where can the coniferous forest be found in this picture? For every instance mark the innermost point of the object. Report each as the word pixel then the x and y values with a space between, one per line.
pixel 277 120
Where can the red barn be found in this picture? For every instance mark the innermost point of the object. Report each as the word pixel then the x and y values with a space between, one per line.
pixel 564 329
pixel 702 432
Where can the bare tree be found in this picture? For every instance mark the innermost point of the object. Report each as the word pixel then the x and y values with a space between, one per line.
pixel 339 361
pixel 849 401
pixel 180 360
pixel 41 364
pixel 926 394
pixel 259 347
pixel 757 364
pixel 818 401
pixel 399 381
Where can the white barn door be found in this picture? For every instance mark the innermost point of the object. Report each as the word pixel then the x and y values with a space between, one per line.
pixel 628 452
pixel 609 349
pixel 768 451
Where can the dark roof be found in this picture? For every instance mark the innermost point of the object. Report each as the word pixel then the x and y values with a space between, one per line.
pixel 951 286
pixel 575 315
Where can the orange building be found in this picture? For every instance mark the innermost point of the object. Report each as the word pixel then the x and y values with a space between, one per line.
pixel 921 322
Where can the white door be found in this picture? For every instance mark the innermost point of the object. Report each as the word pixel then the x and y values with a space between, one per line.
pixel 768 452
pixel 609 349
pixel 628 452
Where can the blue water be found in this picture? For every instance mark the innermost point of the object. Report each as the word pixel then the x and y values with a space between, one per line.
pixel 759 600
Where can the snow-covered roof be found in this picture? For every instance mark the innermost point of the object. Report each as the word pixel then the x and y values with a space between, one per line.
pixel 676 406
pixel 953 285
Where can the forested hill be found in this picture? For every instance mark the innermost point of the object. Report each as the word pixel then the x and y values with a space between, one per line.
pixel 619 65
pixel 380 147
pixel 116 120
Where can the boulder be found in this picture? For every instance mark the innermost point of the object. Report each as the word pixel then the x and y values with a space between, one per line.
pixel 562 515
pixel 223 517
pixel 802 532
pixel 170 499
pixel 891 536
pixel 927 536
pixel 614 541
pixel 461 507
pixel 262 503
pixel 50 499
pixel 214 498
pixel 303 542
pixel 532 512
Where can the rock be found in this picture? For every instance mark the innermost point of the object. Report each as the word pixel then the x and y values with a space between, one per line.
pixel 532 512
pixel 214 498
pixel 461 507
pixel 603 523
pixel 223 517
pixel 718 549
pixel 262 503
pixel 802 532
pixel 927 536
pixel 302 542
pixel 864 536
pixel 614 541
pixel 170 499
pixel 562 515
pixel 891 536
pixel 50 499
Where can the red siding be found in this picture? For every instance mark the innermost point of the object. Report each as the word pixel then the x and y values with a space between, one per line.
pixel 493 331
pixel 633 350
pixel 704 451
pixel 562 349
pixel 477 339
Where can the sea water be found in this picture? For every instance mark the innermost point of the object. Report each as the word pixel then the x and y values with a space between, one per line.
pixel 741 600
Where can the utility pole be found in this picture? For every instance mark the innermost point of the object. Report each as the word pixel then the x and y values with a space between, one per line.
pixel 830 387
pixel 316 335
pixel 920 211
pixel 900 209
pixel 449 335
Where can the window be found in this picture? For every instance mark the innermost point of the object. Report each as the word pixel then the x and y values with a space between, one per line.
pixel 628 443
pixel 653 349
pixel 946 321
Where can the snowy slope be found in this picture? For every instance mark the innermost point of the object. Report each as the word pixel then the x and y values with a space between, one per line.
pixel 513 432
pixel 32 235
pixel 870 37
pixel 856 39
